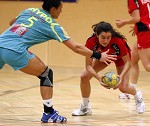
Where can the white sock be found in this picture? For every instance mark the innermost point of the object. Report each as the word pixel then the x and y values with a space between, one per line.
pixel 48 102
pixel 134 85
pixel 85 101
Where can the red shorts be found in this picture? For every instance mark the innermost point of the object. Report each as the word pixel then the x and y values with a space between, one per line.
pixel 119 63
pixel 143 40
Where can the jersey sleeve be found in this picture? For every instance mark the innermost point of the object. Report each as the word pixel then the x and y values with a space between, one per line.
pixel 59 33
pixel 21 13
pixel 123 48
pixel 132 5
pixel 90 44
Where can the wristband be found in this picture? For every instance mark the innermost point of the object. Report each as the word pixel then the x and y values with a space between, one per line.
pixel 96 55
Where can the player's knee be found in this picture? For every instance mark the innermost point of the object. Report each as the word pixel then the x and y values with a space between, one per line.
pixel 84 78
pixel 123 89
pixel 147 67
pixel 46 78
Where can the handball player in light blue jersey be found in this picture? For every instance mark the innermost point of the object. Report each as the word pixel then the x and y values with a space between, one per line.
pixel 34 26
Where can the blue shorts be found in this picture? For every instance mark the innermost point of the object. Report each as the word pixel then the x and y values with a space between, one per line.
pixel 14 59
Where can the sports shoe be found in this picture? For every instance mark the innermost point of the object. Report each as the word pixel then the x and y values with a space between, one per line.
pixel 140 105
pixel 84 110
pixel 125 96
pixel 53 117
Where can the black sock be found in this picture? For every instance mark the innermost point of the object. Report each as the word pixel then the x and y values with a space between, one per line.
pixel 48 110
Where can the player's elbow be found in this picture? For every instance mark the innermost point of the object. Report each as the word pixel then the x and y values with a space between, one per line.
pixel 12 21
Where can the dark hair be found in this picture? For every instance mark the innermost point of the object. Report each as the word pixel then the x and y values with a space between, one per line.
pixel 48 4
pixel 106 27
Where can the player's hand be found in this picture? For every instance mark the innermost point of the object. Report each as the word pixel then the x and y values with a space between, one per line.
pixel 132 31
pixel 104 85
pixel 120 23
pixel 107 58
pixel 120 81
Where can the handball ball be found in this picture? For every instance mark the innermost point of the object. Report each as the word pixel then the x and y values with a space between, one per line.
pixel 111 79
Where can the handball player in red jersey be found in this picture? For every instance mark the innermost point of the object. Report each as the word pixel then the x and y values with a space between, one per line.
pixel 104 38
pixel 139 11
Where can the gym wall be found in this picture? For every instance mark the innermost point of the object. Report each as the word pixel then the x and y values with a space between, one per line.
pixel 77 19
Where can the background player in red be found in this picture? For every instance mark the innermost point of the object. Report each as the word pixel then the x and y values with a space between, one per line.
pixel 104 38
pixel 139 11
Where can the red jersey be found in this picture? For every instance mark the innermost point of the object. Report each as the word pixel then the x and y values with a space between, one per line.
pixel 144 9
pixel 117 46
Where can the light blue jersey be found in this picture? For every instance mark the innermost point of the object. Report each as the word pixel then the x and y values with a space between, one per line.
pixel 32 26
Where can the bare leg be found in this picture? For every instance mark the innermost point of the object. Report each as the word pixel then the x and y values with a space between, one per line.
pixel 85 84
pixel 125 87
pixel 134 71
pixel 36 67
pixel 85 79
pixel 144 55
pixel 86 90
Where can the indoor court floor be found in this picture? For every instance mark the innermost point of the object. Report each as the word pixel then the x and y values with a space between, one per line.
pixel 21 104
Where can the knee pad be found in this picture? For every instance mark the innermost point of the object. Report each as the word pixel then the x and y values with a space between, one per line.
pixel 46 78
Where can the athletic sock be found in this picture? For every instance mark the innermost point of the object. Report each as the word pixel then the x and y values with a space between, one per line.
pixel 85 101
pixel 48 108
pixel 47 102
pixel 134 85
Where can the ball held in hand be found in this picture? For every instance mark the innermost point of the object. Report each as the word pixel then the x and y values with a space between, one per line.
pixel 111 79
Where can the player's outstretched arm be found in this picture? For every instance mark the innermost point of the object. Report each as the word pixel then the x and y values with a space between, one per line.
pixel 135 17
pixel 82 50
